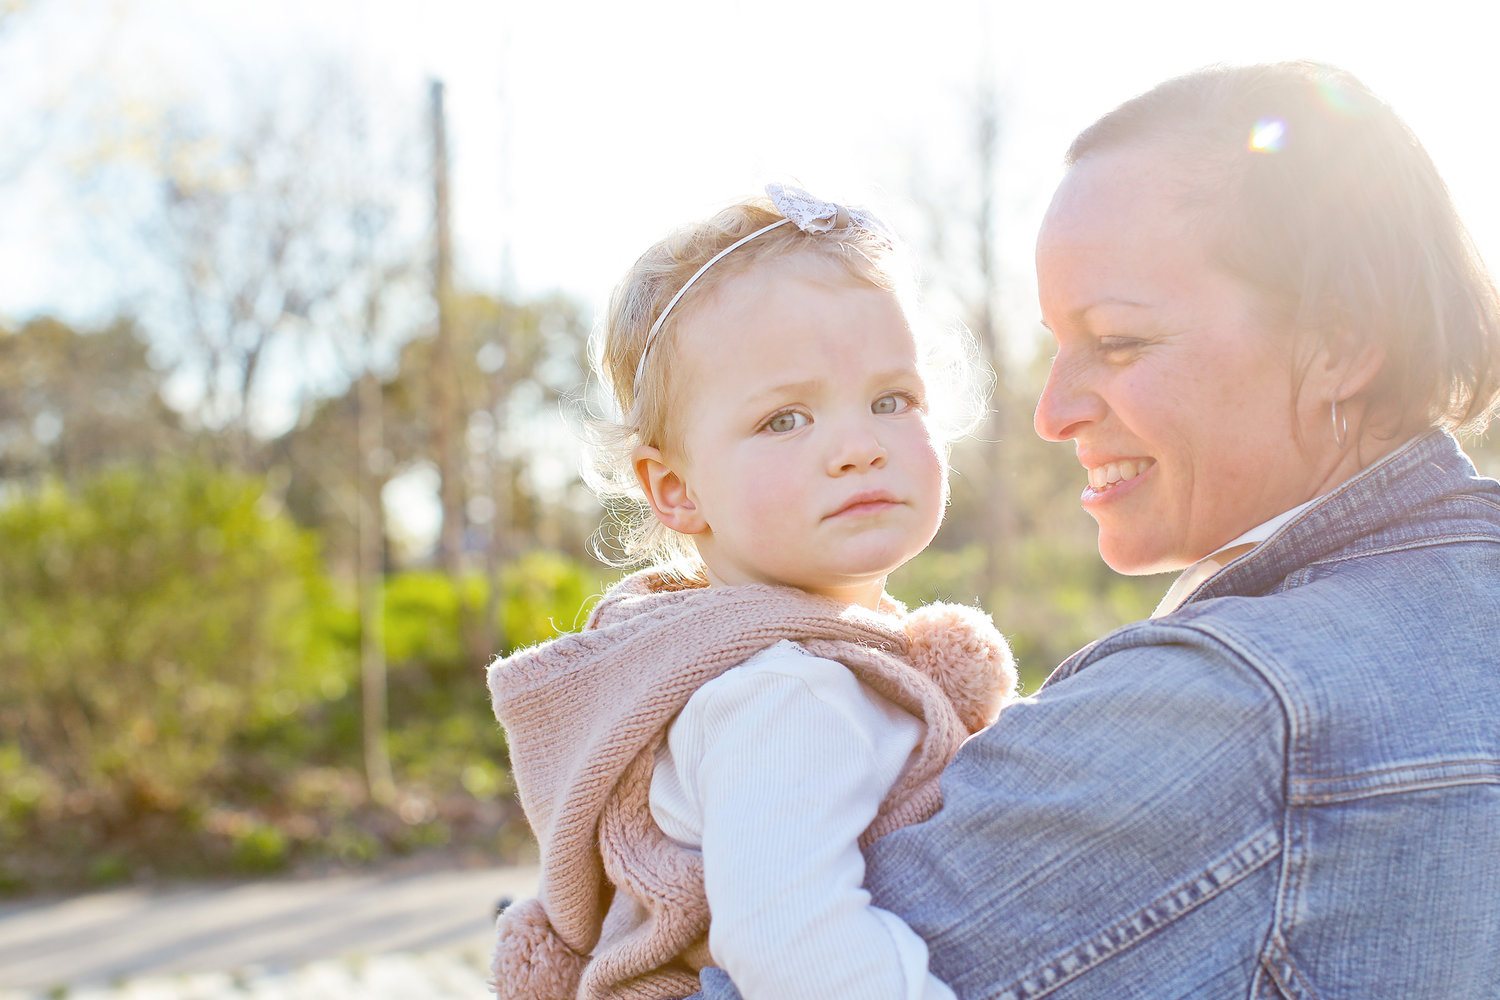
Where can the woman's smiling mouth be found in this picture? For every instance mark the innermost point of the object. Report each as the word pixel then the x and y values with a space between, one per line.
pixel 1112 474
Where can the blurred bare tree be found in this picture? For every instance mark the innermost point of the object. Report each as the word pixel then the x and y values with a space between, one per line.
pixel 517 364
pixel 963 248
pixel 524 360
pixel 280 244
pixel 261 223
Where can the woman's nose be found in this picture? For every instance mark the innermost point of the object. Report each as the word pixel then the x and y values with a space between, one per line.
pixel 1067 402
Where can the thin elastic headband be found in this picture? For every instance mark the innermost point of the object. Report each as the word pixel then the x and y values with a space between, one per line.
pixel 807 213
pixel 640 367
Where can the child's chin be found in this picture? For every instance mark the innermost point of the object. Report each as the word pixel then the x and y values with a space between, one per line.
pixel 879 559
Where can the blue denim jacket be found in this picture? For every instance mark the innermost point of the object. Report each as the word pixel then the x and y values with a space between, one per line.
pixel 1289 787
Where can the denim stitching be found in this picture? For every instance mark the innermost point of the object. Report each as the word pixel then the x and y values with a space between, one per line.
pixel 1238 863
pixel 1355 795
pixel 1481 762
pixel 1289 979
pixel 1425 542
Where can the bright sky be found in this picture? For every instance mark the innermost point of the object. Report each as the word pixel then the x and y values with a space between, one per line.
pixel 582 131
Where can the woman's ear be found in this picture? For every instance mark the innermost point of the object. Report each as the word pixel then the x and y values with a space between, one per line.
pixel 1359 370
pixel 667 492
pixel 1347 364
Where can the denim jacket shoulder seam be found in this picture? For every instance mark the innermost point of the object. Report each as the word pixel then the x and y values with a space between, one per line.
pixel 1239 647
pixel 1297 751
pixel 1486 501
pixel 1243 651
pixel 1425 542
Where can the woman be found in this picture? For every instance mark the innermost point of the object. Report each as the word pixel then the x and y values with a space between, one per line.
pixel 1287 783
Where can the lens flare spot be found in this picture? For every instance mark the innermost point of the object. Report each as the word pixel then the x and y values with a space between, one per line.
pixel 1341 98
pixel 1267 136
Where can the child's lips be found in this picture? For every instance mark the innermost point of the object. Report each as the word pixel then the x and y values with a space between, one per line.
pixel 866 503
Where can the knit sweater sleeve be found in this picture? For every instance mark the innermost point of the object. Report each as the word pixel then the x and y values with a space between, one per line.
pixel 773 770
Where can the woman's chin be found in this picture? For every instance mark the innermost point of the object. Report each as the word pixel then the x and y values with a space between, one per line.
pixel 1132 558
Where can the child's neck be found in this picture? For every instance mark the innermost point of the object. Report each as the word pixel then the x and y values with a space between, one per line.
pixel 866 594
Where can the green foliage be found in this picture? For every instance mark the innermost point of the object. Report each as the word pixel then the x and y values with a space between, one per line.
pixel 422 626
pixel 544 595
pixel 444 732
pixel 151 617
pixel 178 693
pixel 1053 598
pixel 108 868
pixel 260 847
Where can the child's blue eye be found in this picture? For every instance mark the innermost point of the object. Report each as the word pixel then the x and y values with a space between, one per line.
pixel 892 403
pixel 788 421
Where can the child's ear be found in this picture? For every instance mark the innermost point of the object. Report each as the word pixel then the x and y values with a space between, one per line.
pixel 667 492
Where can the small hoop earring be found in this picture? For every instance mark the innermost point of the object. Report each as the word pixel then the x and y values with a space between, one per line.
pixel 1340 425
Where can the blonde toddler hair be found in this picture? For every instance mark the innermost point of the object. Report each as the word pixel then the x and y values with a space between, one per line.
pixel 640 409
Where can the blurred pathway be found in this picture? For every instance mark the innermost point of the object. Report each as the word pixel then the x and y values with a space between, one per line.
pixel 246 931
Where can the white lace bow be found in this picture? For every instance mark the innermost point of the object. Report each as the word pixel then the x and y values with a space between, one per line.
pixel 813 215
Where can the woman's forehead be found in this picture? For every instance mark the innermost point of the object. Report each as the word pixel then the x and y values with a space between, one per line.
pixel 1128 186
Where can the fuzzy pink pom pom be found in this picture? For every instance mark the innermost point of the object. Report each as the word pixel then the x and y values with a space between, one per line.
pixel 959 647
pixel 531 962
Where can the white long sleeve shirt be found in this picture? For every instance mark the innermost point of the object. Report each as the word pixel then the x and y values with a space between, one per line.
pixel 772 770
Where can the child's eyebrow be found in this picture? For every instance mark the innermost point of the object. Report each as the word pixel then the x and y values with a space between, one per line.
pixel 782 389
pixel 896 374
pixel 807 387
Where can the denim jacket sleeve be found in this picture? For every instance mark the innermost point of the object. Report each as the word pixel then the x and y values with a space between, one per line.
pixel 1111 836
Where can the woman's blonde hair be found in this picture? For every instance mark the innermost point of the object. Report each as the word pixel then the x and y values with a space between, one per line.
pixel 638 410
pixel 1317 194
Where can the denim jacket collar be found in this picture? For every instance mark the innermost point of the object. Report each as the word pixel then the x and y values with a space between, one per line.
pixel 1369 512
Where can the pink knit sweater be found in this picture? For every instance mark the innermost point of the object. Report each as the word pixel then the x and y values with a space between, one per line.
pixel 585 714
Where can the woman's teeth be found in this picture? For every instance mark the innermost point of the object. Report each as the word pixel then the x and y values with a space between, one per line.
pixel 1115 473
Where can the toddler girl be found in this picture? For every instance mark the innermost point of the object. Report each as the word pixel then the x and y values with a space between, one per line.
pixel 738 720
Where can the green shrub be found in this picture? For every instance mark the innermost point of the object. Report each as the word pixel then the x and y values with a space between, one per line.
pixel 260 848
pixel 544 595
pixel 179 690
pixel 441 721
pixel 109 868
pixel 151 618
pixel 422 618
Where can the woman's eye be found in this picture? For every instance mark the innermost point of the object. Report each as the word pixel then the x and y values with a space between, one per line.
pixel 788 421
pixel 892 403
pixel 1117 346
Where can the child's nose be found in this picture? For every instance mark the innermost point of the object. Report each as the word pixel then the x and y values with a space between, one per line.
pixel 858 448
